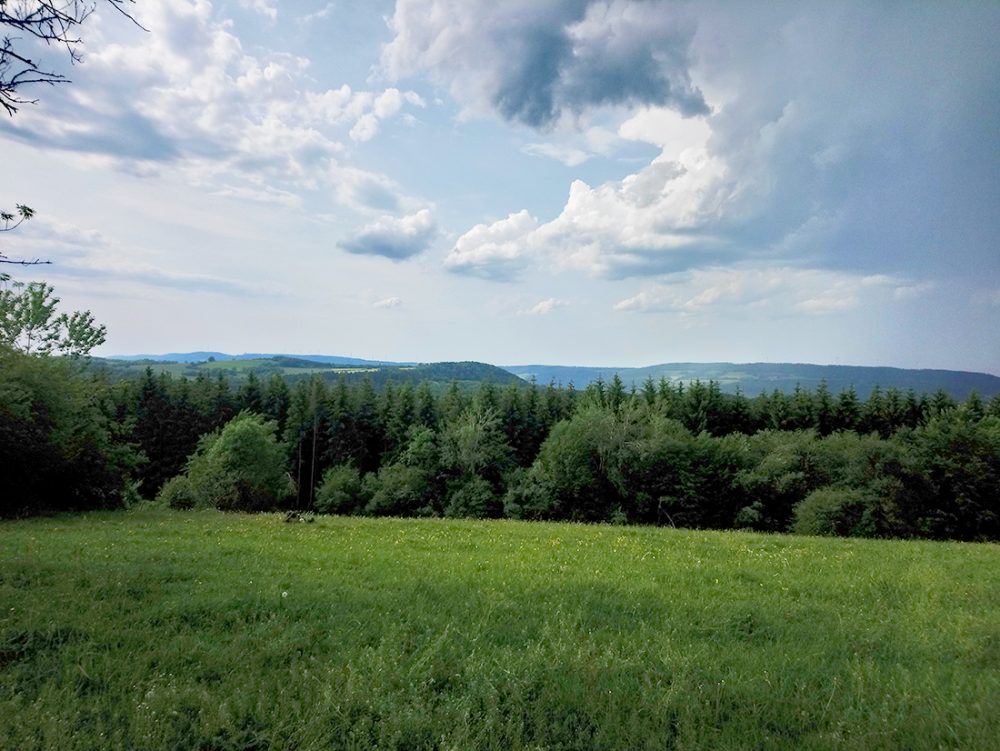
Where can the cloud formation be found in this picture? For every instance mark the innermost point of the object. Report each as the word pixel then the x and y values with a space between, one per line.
pixel 534 62
pixel 776 290
pixel 822 145
pixel 494 251
pixel 544 307
pixel 387 303
pixel 655 221
pixel 266 8
pixel 395 239
pixel 190 96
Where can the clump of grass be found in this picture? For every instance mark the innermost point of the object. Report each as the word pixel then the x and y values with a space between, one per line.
pixel 159 629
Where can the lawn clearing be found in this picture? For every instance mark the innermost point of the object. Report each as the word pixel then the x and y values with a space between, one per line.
pixel 158 629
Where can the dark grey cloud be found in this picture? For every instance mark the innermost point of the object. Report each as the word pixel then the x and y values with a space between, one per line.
pixel 395 239
pixel 841 138
pixel 125 135
pixel 533 61
pixel 861 139
pixel 528 89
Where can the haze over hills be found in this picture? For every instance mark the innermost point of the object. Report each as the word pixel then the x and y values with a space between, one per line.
pixel 749 378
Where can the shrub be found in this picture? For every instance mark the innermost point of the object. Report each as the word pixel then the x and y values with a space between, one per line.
pixel 398 490
pixel 178 493
pixel 340 491
pixel 241 467
pixel 473 497
pixel 834 511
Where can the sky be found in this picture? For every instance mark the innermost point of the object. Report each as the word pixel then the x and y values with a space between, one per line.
pixel 612 183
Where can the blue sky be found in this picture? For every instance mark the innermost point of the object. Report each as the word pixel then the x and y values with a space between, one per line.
pixel 569 181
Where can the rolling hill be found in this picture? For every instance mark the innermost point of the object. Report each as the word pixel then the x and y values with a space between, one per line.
pixel 750 378
pixel 294 368
pixel 754 378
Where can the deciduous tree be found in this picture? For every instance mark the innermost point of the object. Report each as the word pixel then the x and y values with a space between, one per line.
pixel 29 322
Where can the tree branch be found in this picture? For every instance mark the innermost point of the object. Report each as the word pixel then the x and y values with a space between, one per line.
pixel 53 22
pixel 35 262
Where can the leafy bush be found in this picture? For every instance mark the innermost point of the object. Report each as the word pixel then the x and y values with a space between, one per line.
pixel 398 490
pixel 341 491
pixel 241 467
pixel 473 497
pixel 178 492
pixel 834 511
pixel 572 478
pixel 669 476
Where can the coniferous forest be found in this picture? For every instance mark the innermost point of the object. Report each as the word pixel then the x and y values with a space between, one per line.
pixel 883 464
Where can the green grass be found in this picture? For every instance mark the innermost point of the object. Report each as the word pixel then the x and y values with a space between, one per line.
pixel 154 629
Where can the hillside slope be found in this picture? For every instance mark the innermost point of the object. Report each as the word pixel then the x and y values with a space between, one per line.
pixel 212 630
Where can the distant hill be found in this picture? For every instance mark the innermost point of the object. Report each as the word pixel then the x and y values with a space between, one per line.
pixel 754 378
pixel 196 357
pixel 750 378
pixel 297 367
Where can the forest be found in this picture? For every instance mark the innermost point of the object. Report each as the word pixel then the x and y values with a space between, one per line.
pixel 885 464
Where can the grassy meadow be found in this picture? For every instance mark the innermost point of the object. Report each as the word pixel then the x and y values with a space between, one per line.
pixel 152 629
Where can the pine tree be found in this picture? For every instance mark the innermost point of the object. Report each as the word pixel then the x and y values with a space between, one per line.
pixel 426 407
pixel 824 409
pixel 152 418
pixel 800 410
pixel 249 396
pixel 616 396
pixel 994 409
pixel 339 426
pixel 369 436
pixel 486 398
pixel 453 403
pixel 940 403
pixel 848 411
pixel 974 406
pixel 872 413
pixel 275 399
pixel 913 409
pixel 649 392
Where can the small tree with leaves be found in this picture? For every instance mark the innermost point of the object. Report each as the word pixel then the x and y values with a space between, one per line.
pixel 30 324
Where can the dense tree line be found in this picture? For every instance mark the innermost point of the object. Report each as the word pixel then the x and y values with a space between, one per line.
pixel 890 464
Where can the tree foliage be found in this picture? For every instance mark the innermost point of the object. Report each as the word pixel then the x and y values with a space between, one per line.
pixel 240 467
pixel 894 465
pixel 60 446
pixel 29 322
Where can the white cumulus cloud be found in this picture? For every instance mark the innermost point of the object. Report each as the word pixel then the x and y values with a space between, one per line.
pixel 190 96
pixel 544 307
pixel 493 251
